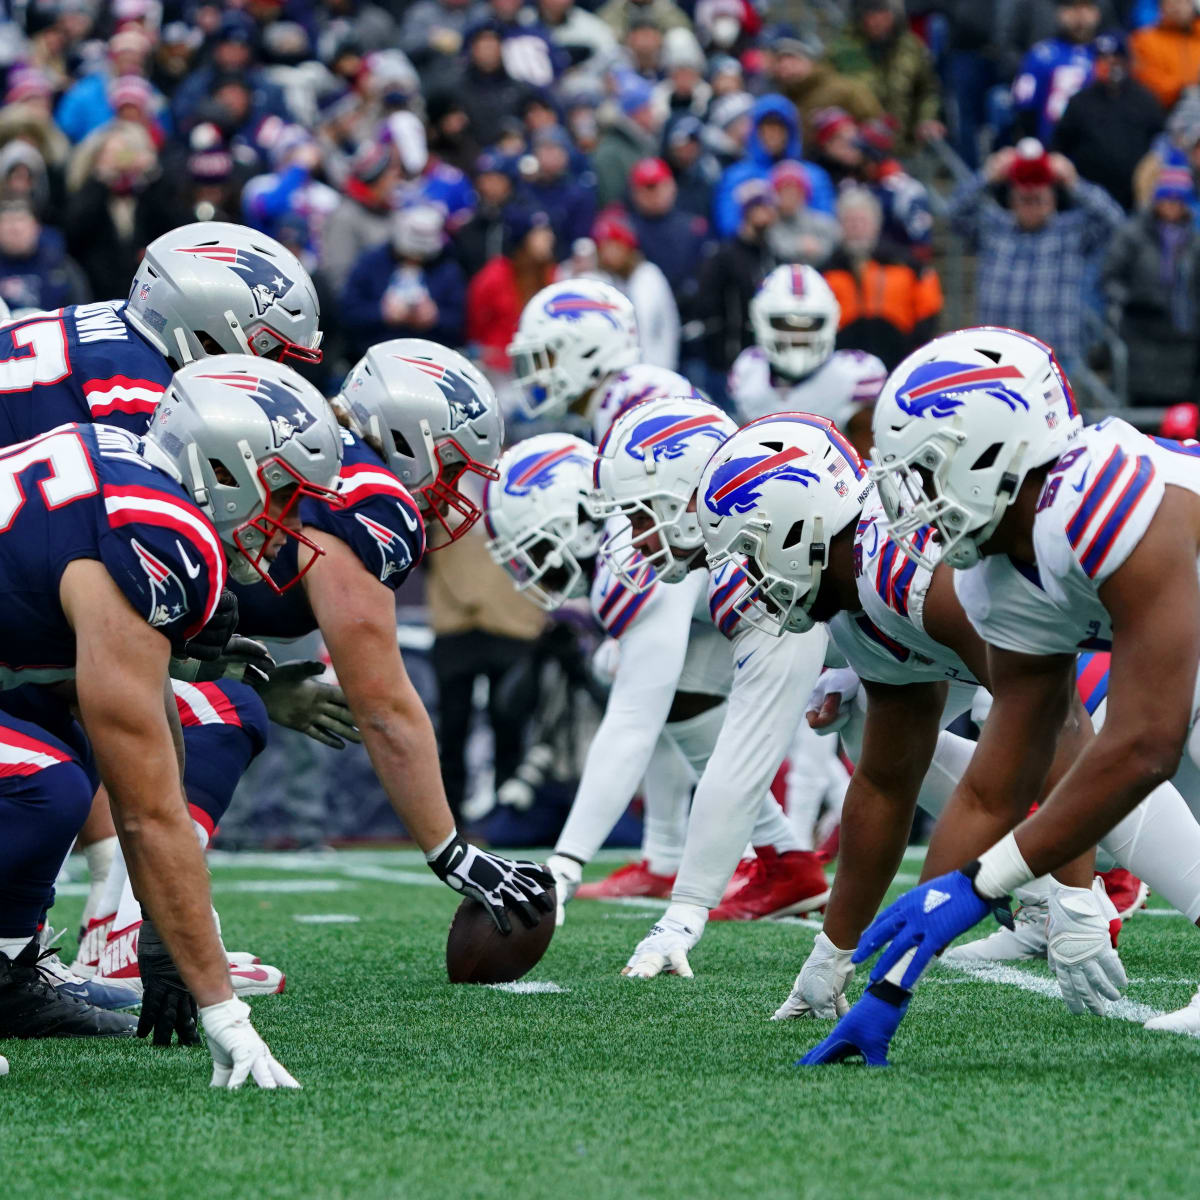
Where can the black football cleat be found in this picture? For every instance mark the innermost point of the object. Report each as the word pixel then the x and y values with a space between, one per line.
pixel 32 1007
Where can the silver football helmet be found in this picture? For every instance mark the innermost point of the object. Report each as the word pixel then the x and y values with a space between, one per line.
pixel 216 288
pixel 436 421
pixel 249 438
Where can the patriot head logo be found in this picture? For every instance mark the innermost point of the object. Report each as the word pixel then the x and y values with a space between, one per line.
pixel 736 486
pixel 168 599
pixel 267 283
pixel 288 416
pixel 574 306
pixel 394 552
pixel 938 389
pixel 537 471
pixel 667 436
pixel 464 401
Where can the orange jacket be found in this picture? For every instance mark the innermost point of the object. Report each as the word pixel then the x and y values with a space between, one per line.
pixel 893 292
pixel 1166 60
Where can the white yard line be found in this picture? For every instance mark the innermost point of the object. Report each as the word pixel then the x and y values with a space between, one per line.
pixel 326 918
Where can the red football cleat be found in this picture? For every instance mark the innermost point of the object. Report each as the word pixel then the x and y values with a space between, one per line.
pixel 1127 892
pixel 747 869
pixel 784 884
pixel 633 879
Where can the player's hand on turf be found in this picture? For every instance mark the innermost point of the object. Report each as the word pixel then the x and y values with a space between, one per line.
pixel 865 1031
pixel 167 1006
pixel 820 988
pixel 210 642
pixel 1080 949
pixel 831 703
pixel 925 921
pixel 238 1053
pixel 567 872
pixel 665 948
pixel 502 885
pixel 296 698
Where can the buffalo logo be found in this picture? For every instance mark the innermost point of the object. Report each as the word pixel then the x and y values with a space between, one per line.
pixel 537 471
pixel 288 416
pixel 267 283
pixel 574 306
pixel 668 436
pixel 168 598
pixel 464 401
pixel 736 486
pixel 937 389
pixel 394 552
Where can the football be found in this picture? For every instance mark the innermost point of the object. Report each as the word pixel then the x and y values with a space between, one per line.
pixel 477 952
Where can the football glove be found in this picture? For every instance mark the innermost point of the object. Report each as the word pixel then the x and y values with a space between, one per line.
pixel 243 659
pixel 664 949
pixel 832 700
pixel 210 642
pixel 1080 948
pixel 296 698
pixel 820 988
pixel 567 872
pixel 866 1030
pixel 167 1005
pixel 499 884
pixel 238 1053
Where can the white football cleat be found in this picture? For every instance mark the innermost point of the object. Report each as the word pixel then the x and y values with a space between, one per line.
pixel 1027 939
pixel 1184 1020
pixel 91 944
pixel 255 978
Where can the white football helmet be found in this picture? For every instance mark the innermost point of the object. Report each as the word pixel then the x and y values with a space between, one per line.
pixel 795 316
pixel 958 426
pixel 647 469
pixel 236 430
pixel 436 421
pixel 571 336
pixel 542 517
pixel 216 288
pixel 771 499
pixel 635 385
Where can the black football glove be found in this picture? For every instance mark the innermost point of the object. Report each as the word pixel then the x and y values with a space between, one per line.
pixel 167 1005
pixel 499 884
pixel 296 698
pixel 210 642
pixel 253 659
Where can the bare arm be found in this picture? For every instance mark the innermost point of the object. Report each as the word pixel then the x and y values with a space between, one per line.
pixel 946 622
pixel 121 670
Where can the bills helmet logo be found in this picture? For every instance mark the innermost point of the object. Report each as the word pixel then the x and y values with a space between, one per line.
pixel 574 306
pixel 668 436
pixel 168 598
pixel 394 552
pixel 267 283
pixel 938 389
pixel 460 393
pixel 288 416
pixel 736 486
pixel 537 471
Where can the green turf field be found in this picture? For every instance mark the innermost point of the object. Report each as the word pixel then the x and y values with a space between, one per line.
pixel 607 1087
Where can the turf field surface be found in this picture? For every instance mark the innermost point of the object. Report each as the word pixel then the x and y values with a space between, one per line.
pixel 590 1085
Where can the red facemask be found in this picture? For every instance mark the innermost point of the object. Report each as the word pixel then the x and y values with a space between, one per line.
pixel 447 512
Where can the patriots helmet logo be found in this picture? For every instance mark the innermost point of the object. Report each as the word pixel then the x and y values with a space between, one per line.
pixel 394 552
pixel 574 306
pixel 667 436
pixel 464 401
pixel 537 471
pixel 938 389
pixel 288 416
pixel 736 486
pixel 168 598
pixel 267 283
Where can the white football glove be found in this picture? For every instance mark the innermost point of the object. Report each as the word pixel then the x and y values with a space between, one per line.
pixel 665 948
pixel 568 874
pixel 238 1053
pixel 820 988
pixel 1080 949
pixel 840 683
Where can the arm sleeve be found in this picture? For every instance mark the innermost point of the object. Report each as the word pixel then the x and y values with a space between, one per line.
pixel 1103 214
pixel 968 206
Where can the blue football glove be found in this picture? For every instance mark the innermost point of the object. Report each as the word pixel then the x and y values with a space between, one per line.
pixel 866 1030
pixel 926 920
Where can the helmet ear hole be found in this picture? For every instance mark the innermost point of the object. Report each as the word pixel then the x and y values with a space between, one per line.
pixel 223 474
pixel 794 535
pixel 987 458
pixel 402 444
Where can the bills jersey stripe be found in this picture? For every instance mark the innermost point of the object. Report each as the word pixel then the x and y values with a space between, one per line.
pixel 1108 533
pixel 897 651
pixel 1091 679
pixel 622 620
pixel 901 585
pixel 1100 488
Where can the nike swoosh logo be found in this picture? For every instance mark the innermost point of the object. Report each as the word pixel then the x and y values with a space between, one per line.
pixel 741 662
pixel 456 856
pixel 409 520
pixel 190 567
pixel 1083 482
pixel 255 973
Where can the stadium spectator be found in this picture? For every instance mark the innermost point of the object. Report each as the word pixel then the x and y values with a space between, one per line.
pixel 890 303
pixel 684 90
pixel 643 46
pixel 1152 280
pixel 1054 69
pixel 409 287
pixel 451 137
pixel 362 219
pixel 1166 56
pixel 799 235
pixel 482 237
pixel 673 240
pixel 1110 124
pixel 488 92
pixel 587 40
pixel 631 135
pixel 1033 258
pixel 879 49
pixel 620 14
pixel 557 191
pixel 907 211
pixel 36 274
pixel 836 148
pixel 694 166
pixel 432 31
pixel 974 66
pixel 729 127
pixel 89 103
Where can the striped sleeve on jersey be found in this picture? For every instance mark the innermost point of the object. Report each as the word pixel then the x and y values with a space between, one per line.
pixel 729 596
pixel 894 572
pixel 619 606
pixel 875 634
pixel 1091 679
pixel 1114 494
pixel 121 394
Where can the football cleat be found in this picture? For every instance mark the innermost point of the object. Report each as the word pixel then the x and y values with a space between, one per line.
pixel 1183 1020
pixel 1026 939
pixel 746 870
pixel 256 979
pixel 32 1007
pixel 784 884
pixel 633 879
pixel 1127 892
pixel 91 943
pixel 93 991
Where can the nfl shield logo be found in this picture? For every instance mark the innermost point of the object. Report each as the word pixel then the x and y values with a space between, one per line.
pixel 144 292
pixel 840 487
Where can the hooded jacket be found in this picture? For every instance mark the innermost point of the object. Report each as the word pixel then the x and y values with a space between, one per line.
pixel 757 164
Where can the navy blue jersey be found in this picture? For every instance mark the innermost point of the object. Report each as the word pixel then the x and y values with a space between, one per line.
pixel 85 492
pixel 1051 73
pixel 380 523
pixel 82 363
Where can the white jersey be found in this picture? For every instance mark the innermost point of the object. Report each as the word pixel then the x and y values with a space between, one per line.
pixel 841 386
pixel 631 386
pixel 1097 502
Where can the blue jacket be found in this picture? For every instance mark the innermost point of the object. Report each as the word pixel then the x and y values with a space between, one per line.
pixel 570 206
pixel 85 107
pixel 46 280
pixel 676 244
pixel 757 164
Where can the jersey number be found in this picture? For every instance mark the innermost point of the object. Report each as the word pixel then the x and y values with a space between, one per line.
pixel 40 356
pixel 70 476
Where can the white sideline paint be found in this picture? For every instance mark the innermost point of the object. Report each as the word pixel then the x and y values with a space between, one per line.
pixel 326 918
pixel 527 987
pixel 282 885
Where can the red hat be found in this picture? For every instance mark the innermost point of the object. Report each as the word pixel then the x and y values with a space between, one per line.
pixel 829 122
pixel 613 226
pixel 1181 423
pixel 1031 167
pixel 649 172
pixel 791 172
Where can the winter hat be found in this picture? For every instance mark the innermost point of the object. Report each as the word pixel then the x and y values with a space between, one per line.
pixel 130 89
pixel 729 108
pixel 829 122
pixel 371 161
pixel 680 49
pixel 28 83
pixel 649 172
pixel 417 232
pixel 612 225
pixel 1174 179
pixel 1031 167
pixel 519 222
pixel 791 172
pixel 633 94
